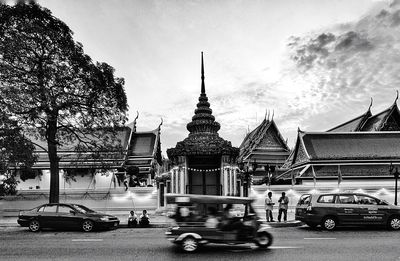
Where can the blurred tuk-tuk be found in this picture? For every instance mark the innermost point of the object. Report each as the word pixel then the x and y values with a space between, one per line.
pixel 202 219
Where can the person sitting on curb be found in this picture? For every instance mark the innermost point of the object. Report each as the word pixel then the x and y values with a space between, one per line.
pixel 132 219
pixel 144 220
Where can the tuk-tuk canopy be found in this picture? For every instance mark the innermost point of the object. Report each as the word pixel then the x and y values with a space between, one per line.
pixel 205 199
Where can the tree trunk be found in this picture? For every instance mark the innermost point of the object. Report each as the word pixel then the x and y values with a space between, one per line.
pixel 54 161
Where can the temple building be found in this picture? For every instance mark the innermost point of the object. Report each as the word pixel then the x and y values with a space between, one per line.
pixel 98 171
pixel 263 152
pixel 361 149
pixel 203 163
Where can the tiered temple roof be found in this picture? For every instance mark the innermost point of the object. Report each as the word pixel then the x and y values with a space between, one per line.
pixel 203 136
pixel 265 145
pixel 387 120
pixel 361 147
pixel 330 149
pixel 140 149
pixel 144 150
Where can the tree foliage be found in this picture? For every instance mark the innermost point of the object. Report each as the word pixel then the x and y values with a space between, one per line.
pixel 15 150
pixel 53 89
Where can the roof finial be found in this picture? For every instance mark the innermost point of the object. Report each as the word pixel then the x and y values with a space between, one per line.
pixel 397 96
pixel 203 87
pixel 268 115
pixel 273 113
pixel 162 121
pixel 370 105
pixel 265 117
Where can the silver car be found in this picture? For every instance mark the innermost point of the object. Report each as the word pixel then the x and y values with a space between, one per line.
pixel 346 209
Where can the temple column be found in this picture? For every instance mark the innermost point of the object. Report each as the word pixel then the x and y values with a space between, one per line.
pixel 182 179
pixel 173 181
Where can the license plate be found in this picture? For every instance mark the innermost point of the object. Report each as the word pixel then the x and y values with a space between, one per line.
pixel 115 224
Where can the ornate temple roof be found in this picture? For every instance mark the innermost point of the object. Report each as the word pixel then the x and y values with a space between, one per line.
pixel 264 144
pixel 387 120
pixel 144 149
pixel 203 136
pixel 325 147
pixel 329 149
pixel 141 149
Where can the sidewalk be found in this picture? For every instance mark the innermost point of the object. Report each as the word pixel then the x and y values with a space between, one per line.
pixel 159 220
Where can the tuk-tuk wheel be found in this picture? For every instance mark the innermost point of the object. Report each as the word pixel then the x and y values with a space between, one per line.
pixel 263 239
pixel 189 244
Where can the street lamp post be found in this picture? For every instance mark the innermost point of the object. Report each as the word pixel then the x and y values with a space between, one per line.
pixel 396 177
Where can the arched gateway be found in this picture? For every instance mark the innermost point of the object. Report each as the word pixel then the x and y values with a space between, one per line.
pixel 204 163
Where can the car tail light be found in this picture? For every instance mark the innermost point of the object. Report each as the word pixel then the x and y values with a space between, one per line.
pixel 309 208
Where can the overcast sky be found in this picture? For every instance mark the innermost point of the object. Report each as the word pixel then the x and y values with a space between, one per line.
pixel 316 63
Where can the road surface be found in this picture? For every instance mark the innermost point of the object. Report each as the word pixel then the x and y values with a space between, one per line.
pixel 299 243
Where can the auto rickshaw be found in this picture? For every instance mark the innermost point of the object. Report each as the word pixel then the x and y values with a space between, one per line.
pixel 191 228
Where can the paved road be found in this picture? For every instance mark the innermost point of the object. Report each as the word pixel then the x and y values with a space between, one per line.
pixel 299 243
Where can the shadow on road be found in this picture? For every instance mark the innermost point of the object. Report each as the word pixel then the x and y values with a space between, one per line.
pixel 247 249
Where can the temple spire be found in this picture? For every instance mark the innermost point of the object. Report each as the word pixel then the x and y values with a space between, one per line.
pixel 203 87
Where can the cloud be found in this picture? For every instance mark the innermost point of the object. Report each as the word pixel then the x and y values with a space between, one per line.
pixel 326 78
pixel 337 69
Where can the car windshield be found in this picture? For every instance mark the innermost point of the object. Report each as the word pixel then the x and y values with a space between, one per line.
pixel 83 209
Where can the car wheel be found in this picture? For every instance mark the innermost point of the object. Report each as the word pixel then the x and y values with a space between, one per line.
pixel 394 223
pixel 329 223
pixel 34 225
pixel 87 225
pixel 189 244
pixel 263 239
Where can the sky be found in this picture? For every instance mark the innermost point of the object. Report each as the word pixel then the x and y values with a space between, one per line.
pixel 313 63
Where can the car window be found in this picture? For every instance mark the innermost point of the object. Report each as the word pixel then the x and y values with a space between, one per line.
pixel 83 209
pixel 365 200
pixel 347 199
pixel 64 209
pixel 326 199
pixel 41 209
pixel 305 199
pixel 50 208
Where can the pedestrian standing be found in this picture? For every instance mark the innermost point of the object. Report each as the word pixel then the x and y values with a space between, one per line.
pixel 283 207
pixel 126 181
pixel 269 205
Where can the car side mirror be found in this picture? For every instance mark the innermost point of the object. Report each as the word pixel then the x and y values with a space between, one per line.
pixel 72 212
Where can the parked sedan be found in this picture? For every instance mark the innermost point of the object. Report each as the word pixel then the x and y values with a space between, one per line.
pixel 65 216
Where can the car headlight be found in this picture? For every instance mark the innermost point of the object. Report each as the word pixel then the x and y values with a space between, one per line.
pixel 104 218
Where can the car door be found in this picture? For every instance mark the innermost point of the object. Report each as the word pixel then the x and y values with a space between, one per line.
pixel 370 211
pixel 67 217
pixel 348 210
pixel 48 215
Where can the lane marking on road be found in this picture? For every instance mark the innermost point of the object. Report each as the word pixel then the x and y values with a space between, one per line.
pixel 87 240
pixel 319 238
pixel 284 247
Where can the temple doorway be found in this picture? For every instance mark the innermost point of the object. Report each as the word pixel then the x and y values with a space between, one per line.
pixel 204 175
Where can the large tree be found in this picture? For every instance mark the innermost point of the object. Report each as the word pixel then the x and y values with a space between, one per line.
pixel 53 89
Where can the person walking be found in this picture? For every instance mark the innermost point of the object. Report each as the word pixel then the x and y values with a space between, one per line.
pixel 283 207
pixel 269 205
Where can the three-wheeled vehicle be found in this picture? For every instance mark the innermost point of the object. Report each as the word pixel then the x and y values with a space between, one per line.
pixel 202 219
